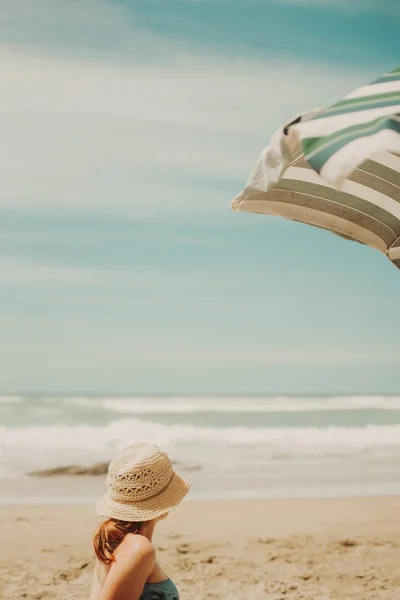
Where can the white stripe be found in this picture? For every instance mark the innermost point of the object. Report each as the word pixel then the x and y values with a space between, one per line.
pixel 388 160
pixel 350 187
pixel 394 253
pixel 394 73
pixel 310 216
pixel 329 125
pixel 341 164
pixel 378 88
pixel 345 138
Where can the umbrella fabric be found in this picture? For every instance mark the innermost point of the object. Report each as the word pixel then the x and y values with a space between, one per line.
pixel 363 123
pixel 337 168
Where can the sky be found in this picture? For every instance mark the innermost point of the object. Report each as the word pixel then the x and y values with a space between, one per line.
pixel 126 130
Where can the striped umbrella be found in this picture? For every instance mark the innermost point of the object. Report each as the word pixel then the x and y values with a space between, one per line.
pixel 337 168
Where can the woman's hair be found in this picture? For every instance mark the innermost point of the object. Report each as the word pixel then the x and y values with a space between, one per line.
pixel 109 536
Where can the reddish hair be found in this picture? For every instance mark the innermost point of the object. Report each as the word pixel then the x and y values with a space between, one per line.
pixel 109 536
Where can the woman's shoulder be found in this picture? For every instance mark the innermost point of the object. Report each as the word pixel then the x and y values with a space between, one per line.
pixel 136 548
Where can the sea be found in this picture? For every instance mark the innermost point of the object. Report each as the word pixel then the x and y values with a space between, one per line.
pixel 227 447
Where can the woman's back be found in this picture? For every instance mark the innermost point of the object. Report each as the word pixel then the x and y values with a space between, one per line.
pixel 158 586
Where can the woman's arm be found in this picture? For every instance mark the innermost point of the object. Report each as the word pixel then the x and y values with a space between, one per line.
pixel 128 574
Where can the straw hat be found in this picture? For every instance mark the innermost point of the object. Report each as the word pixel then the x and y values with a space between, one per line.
pixel 141 485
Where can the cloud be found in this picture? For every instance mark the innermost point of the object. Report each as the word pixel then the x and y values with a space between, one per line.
pixel 317 355
pixel 100 112
pixel 114 28
pixel 119 350
pixel 28 272
pixel 89 27
pixel 84 134
pixel 355 6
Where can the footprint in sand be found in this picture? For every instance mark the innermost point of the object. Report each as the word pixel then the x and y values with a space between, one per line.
pixel 183 548
pixel 209 560
pixel 265 541
pixel 347 543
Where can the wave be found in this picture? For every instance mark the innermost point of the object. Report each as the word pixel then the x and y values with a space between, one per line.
pixel 126 431
pixel 32 448
pixel 10 399
pixel 217 404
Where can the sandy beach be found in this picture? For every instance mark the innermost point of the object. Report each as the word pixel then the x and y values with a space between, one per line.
pixel 289 549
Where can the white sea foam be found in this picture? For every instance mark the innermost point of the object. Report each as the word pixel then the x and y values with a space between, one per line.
pixel 29 448
pixel 191 405
pixel 10 399
pixel 126 430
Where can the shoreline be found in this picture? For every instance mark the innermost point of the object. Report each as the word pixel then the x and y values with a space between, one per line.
pixel 67 490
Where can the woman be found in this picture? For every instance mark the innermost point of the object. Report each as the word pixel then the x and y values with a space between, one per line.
pixel 142 488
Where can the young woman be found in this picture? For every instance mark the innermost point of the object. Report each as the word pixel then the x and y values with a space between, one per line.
pixel 141 489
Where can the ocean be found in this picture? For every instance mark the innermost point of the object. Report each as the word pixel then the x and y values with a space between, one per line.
pixel 227 447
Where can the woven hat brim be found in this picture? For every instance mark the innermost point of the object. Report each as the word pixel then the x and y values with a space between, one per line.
pixel 145 510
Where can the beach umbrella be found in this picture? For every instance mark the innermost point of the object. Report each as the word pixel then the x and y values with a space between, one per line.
pixel 337 168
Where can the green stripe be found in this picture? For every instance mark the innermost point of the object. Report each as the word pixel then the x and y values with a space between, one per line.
pixel 314 144
pixel 387 78
pixel 361 103
pixel 318 150
pixel 344 205
pixel 371 174
pixel 327 208
pixel 378 184
pixel 393 73
pixel 383 172
pixel 391 76
pixel 372 97
pixel 294 199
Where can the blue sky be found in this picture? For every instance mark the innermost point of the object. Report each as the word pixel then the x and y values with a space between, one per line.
pixel 126 129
